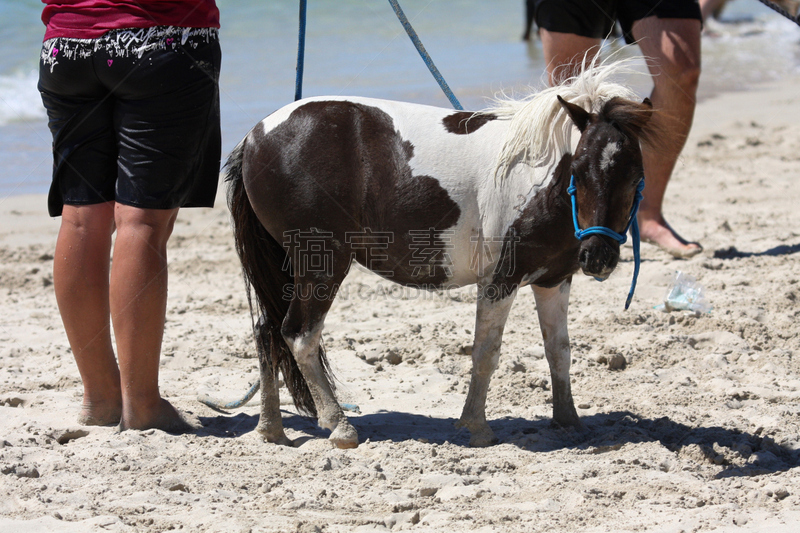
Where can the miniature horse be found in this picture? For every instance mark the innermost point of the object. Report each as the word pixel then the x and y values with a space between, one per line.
pixel 430 198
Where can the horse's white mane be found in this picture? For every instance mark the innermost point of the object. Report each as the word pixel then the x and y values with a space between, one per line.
pixel 540 131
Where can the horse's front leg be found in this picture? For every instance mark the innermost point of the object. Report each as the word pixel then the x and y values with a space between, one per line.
pixel 552 305
pixel 489 323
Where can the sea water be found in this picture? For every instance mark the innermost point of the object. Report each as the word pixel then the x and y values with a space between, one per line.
pixel 358 47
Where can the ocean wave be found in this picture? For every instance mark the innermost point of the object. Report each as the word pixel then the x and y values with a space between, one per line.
pixel 19 98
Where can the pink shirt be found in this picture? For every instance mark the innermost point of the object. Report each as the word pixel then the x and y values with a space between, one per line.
pixel 89 19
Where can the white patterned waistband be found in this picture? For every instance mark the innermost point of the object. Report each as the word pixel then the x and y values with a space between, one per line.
pixel 126 42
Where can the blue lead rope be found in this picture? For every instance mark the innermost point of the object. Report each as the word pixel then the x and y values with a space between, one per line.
pixel 301 48
pixel 301 52
pixel 637 260
pixel 424 54
pixel 621 238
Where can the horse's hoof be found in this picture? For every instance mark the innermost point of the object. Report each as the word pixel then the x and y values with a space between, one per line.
pixel 275 437
pixel 483 440
pixel 481 434
pixel 344 436
pixel 570 423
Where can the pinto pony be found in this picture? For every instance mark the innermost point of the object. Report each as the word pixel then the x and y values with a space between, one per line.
pixel 430 198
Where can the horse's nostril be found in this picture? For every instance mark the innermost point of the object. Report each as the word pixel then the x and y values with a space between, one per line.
pixel 583 257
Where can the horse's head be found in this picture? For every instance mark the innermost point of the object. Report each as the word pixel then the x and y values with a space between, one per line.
pixel 606 171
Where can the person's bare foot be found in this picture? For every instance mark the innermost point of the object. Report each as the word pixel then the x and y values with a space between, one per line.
pixel 661 234
pixel 162 416
pixel 104 414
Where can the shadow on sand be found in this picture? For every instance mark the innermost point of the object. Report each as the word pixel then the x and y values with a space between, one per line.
pixel 754 454
pixel 733 253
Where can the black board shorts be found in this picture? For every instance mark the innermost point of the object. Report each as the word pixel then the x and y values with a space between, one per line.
pixel 134 116
pixel 596 18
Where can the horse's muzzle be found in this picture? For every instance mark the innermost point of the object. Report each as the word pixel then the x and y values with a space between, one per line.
pixel 598 256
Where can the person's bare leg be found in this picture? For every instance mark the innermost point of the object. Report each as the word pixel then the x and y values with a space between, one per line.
pixel 709 7
pixel 138 296
pixel 564 53
pixel 673 46
pixel 80 279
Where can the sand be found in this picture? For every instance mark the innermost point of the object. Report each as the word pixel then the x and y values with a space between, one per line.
pixel 699 430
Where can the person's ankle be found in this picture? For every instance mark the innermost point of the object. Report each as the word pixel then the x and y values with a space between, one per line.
pixel 153 415
pixel 100 413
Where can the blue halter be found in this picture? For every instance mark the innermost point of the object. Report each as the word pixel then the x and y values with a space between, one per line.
pixel 621 238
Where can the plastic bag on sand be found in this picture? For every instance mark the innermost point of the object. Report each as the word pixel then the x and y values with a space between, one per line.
pixel 685 294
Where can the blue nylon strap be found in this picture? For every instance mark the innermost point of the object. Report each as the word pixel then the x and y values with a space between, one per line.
pixel 636 260
pixel 424 54
pixel 301 52
pixel 621 238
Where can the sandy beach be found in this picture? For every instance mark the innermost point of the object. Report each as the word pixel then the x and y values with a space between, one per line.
pixel 693 418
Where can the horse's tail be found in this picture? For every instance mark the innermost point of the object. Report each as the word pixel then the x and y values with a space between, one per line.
pixel 263 260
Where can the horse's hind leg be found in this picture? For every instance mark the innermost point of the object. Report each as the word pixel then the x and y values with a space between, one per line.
pixel 270 423
pixel 552 305
pixel 489 323
pixel 302 330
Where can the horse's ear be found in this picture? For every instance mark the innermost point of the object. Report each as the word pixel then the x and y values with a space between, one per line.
pixel 578 114
pixel 649 110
